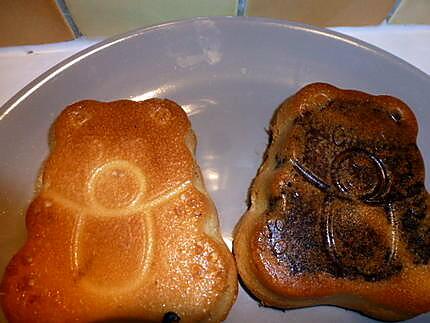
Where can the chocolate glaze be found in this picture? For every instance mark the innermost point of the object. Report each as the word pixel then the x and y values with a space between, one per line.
pixel 350 161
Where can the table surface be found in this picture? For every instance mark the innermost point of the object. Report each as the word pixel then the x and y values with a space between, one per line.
pixel 20 65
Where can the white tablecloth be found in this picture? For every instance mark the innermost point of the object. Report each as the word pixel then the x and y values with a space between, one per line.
pixel 20 65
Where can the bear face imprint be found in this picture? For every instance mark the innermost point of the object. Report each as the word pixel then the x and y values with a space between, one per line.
pixel 358 174
pixel 116 185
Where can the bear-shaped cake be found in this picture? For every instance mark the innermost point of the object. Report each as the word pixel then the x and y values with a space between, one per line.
pixel 339 213
pixel 121 227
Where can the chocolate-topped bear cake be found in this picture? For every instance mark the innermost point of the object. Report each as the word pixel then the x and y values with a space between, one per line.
pixel 339 213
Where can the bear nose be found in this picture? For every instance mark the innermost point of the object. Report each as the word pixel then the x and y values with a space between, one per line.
pixel 359 174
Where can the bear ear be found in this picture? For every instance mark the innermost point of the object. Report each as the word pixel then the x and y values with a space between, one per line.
pixel 314 96
pixel 72 119
pixel 399 113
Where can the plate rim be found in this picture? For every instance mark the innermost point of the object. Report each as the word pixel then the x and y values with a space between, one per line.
pixel 63 65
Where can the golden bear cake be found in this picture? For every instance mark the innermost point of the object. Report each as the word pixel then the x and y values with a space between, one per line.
pixel 339 213
pixel 121 228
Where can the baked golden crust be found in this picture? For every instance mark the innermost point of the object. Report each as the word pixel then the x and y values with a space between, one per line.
pixel 338 211
pixel 122 226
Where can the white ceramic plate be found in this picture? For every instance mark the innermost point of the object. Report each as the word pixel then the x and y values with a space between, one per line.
pixel 229 74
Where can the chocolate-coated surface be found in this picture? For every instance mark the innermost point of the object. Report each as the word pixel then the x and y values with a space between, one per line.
pixel 339 211
pixel 355 169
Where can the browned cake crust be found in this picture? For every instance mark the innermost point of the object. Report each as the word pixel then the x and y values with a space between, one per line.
pixel 338 211
pixel 122 227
